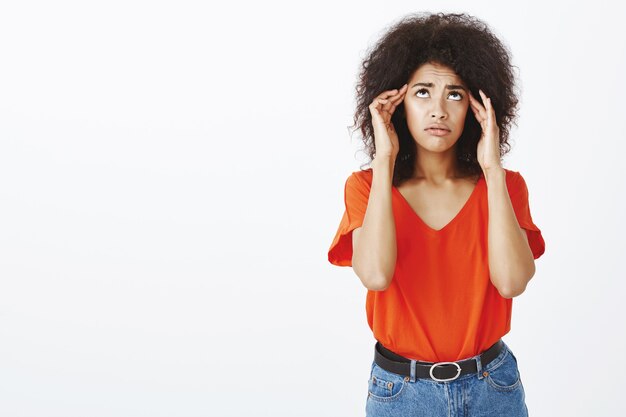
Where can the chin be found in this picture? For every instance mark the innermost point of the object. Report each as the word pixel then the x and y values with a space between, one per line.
pixel 437 143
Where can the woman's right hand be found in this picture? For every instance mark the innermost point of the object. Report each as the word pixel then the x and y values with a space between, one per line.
pixel 381 109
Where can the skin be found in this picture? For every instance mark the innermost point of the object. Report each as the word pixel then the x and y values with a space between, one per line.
pixel 424 105
pixel 511 262
pixel 436 187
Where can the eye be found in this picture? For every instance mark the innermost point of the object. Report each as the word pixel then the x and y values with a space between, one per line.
pixel 458 94
pixel 421 90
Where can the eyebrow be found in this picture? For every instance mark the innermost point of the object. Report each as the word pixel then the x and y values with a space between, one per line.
pixel 449 86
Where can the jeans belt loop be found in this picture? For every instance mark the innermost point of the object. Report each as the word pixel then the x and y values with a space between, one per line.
pixel 479 367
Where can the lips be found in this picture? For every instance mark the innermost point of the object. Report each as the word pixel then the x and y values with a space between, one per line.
pixel 439 126
pixel 438 132
pixel 437 129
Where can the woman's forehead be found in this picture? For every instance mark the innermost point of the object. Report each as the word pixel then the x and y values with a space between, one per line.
pixel 435 73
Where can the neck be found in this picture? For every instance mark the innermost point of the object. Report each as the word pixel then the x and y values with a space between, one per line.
pixel 436 167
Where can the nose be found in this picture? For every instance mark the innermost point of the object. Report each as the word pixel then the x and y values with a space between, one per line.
pixel 438 112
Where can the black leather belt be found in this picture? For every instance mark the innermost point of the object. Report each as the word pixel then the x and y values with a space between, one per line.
pixel 437 371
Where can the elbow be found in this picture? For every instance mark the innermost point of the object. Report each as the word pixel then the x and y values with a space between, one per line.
pixel 509 293
pixel 514 290
pixel 379 284
pixel 516 285
pixel 372 277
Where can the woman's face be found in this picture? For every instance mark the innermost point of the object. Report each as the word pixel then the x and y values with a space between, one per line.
pixel 435 94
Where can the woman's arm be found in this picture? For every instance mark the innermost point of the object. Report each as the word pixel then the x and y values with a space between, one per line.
pixel 374 243
pixel 511 262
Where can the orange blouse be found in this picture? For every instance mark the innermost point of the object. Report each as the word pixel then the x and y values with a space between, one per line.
pixel 441 304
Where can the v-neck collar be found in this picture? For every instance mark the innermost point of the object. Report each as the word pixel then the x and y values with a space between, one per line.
pixel 455 219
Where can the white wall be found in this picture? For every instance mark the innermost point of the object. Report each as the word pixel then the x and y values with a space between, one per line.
pixel 172 176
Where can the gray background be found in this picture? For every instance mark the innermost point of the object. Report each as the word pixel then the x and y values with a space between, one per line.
pixel 171 177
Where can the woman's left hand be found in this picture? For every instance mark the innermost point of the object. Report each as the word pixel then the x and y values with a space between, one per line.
pixel 488 151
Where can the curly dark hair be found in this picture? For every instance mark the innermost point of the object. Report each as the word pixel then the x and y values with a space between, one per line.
pixel 459 41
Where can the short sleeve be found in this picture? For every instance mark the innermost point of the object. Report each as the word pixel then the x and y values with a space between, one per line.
pixel 520 201
pixel 356 196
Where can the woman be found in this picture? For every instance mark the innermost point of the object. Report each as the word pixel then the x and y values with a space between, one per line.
pixel 437 230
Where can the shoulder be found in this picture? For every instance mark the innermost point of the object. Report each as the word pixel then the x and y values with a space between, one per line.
pixel 511 174
pixel 513 178
pixel 361 178
pixel 515 184
pixel 364 174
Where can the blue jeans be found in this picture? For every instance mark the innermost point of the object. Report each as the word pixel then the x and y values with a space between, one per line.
pixel 495 390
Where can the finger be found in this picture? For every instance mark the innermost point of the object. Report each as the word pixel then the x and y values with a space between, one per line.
pixel 393 104
pixel 488 106
pixel 475 107
pixel 490 112
pixel 397 99
pixel 491 115
pixel 486 99
pixel 478 113
pixel 377 117
pixel 393 94
pixel 388 101
pixel 385 105
pixel 476 104
pixel 388 93
pixel 381 107
pixel 473 102
pixel 393 101
pixel 374 107
pixel 480 107
pixel 400 96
